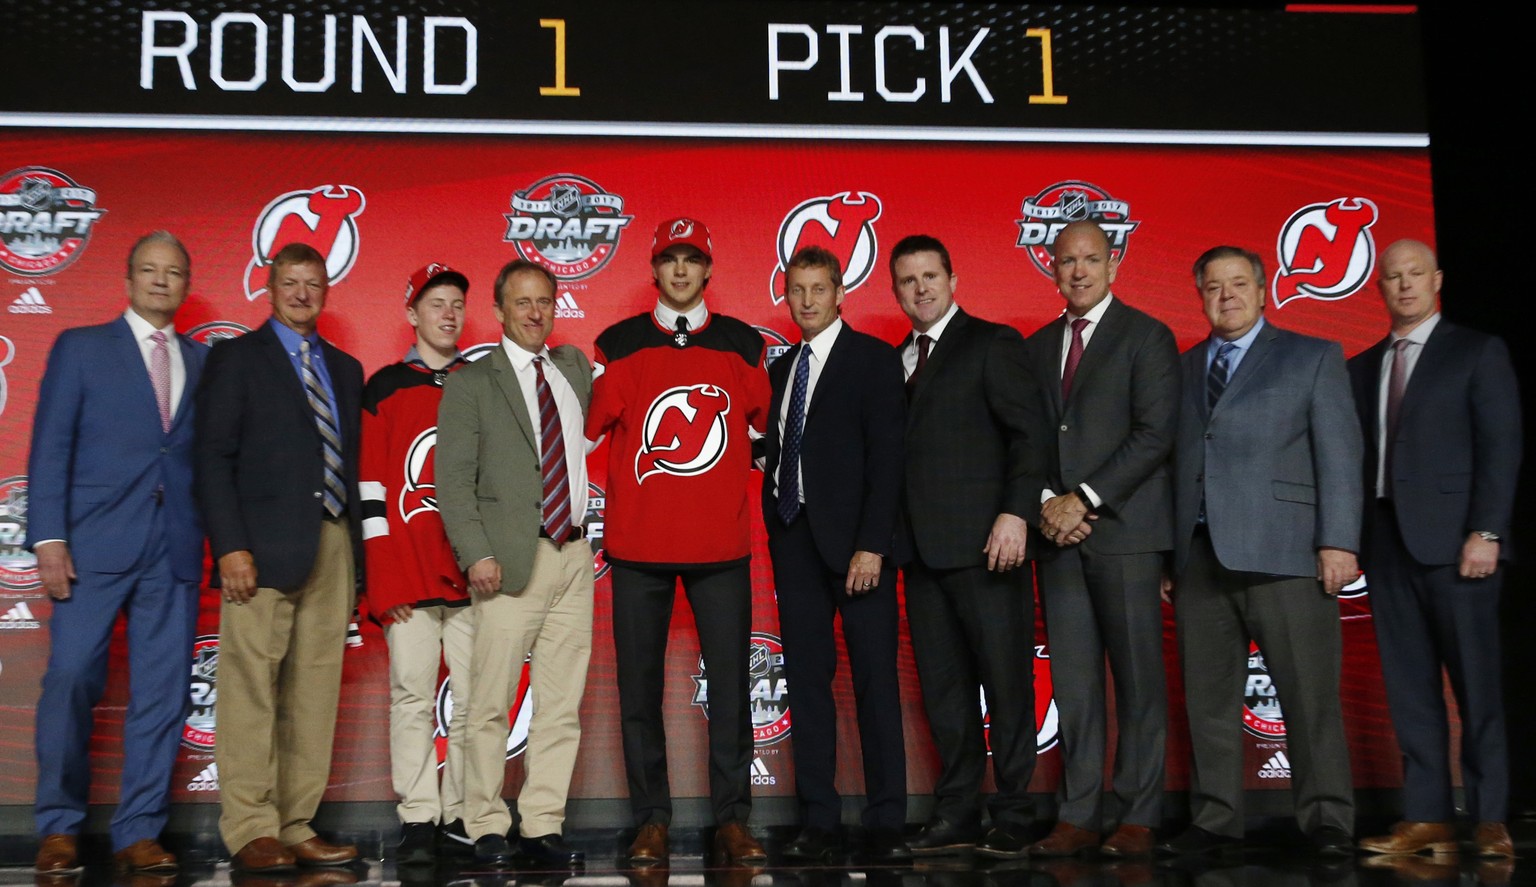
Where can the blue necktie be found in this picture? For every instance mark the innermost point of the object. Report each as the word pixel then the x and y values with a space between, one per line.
pixel 794 427
pixel 1216 378
pixel 330 436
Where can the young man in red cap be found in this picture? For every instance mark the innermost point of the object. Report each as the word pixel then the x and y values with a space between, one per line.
pixel 415 587
pixel 680 389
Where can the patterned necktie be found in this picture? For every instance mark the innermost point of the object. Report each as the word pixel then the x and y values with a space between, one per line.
pixel 160 377
pixel 924 344
pixel 794 428
pixel 557 486
pixel 1074 357
pixel 681 336
pixel 330 436
pixel 1397 384
pixel 1216 378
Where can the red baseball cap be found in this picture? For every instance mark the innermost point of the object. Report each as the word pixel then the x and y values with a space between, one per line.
pixel 684 231
pixel 429 275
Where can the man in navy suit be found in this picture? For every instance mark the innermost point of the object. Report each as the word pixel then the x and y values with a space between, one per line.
pixel 1440 411
pixel 115 529
pixel 278 424
pixel 832 484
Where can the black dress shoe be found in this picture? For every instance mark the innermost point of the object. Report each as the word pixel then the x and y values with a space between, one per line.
pixel 417 844
pixel 940 837
pixel 812 845
pixel 493 850
pixel 1002 843
pixel 452 840
pixel 885 845
pixel 550 850
pixel 1197 840
pixel 1330 840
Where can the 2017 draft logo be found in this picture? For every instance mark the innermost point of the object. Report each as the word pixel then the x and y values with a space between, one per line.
pixel 1047 719
pixel 768 696
pixel 201 726
pixel 215 331
pixel 567 223
pixel 46 220
pixel 843 224
pixel 18 566
pixel 1261 702
pixel 7 354
pixel 324 217
pixel 597 504
pixel 777 346
pixel 1325 251
pixel 1060 205
pixel 519 717
pixel 684 432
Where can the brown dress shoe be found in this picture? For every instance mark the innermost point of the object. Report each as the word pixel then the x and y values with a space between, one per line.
pixel 315 851
pixel 144 856
pixel 1407 867
pixel 1492 839
pixel 734 845
pixel 1065 839
pixel 57 854
pixel 1414 837
pixel 1128 840
pixel 263 855
pixel 650 845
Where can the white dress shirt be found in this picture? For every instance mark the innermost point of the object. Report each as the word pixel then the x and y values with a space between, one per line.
pixel 816 351
pixel 909 353
pixel 1416 338
pixel 142 330
pixel 572 422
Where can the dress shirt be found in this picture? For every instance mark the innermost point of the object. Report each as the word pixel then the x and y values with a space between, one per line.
pixel 291 340
pixel 909 353
pixel 1237 354
pixel 142 330
pixel 816 351
pixel 697 316
pixel 571 420
pixel 1416 338
pixel 1094 315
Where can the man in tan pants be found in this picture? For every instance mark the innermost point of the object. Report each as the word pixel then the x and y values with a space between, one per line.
pixel 512 487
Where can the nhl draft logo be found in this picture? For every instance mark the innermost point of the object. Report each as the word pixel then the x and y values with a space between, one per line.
pixel 768 696
pixel 1261 703
pixel 1047 720
pixel 7 354
pixel 684 432
pixel 567 223
pixel 776 344
pixel 518 718
pixel 843 224
pixel 597 503
pixel 201 725
pixel 18 566
pixel 215 331
pixel 46 220
pixel 1063 203
pixel 420 490
pixel 323 217
pixel 1325 251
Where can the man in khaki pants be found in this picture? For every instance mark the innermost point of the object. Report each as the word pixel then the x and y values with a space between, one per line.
pixel 512 487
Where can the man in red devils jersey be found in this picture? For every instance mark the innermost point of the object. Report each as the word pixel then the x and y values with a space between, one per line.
pixel 415 587
pixel 681 387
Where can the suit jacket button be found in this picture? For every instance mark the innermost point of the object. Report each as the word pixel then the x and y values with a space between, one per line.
pixel 1209 435
pixel 1063 428
pixel 317 494
pixel 164 450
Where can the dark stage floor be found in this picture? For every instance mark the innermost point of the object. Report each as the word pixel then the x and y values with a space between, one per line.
pixel 1273 860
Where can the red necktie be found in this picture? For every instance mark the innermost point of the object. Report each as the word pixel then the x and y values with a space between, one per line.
pixel 557 488
pixel 924 343
pixel 1074 357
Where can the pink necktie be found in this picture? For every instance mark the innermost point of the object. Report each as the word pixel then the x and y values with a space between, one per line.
pixel 1074 357
pixel 160 377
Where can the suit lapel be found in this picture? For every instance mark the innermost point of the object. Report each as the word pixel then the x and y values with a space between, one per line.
pixel 566 362
pixel 1110 329
pixel 280 367
pixel 130 367
pixel 831 371
pixel 938 356
pixel 506 380
pixel 1432 358
pixel 1258 352
pixel 192 356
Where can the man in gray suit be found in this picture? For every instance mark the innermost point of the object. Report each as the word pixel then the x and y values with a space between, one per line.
pixel 512 487
pixel 1267 521
pixel 1110 386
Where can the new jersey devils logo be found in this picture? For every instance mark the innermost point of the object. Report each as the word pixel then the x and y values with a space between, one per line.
pixel 420 491
pixel 685 432
pixel 1047 720
pixel 1325 250
pixel 843 224
pixel 323 217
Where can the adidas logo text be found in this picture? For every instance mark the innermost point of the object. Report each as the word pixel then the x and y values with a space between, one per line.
pixel 565 306
pixel 205 781
pixel 760 774
pixel 30 302
pixel 1277 767
pixel 19 616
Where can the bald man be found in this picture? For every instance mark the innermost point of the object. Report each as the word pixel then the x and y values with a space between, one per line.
pixel 1440 412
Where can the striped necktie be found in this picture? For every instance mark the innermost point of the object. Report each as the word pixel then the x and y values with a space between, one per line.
pixel 1216 378
pixel 557 486
pixel 330 435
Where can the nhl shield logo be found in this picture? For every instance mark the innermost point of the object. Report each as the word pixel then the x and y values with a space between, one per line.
pixel 1325 251
pixel 323 217
pixel 200 729
pixel 843 224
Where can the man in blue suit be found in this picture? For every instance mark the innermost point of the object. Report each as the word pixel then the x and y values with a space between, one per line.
pixel 115 529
